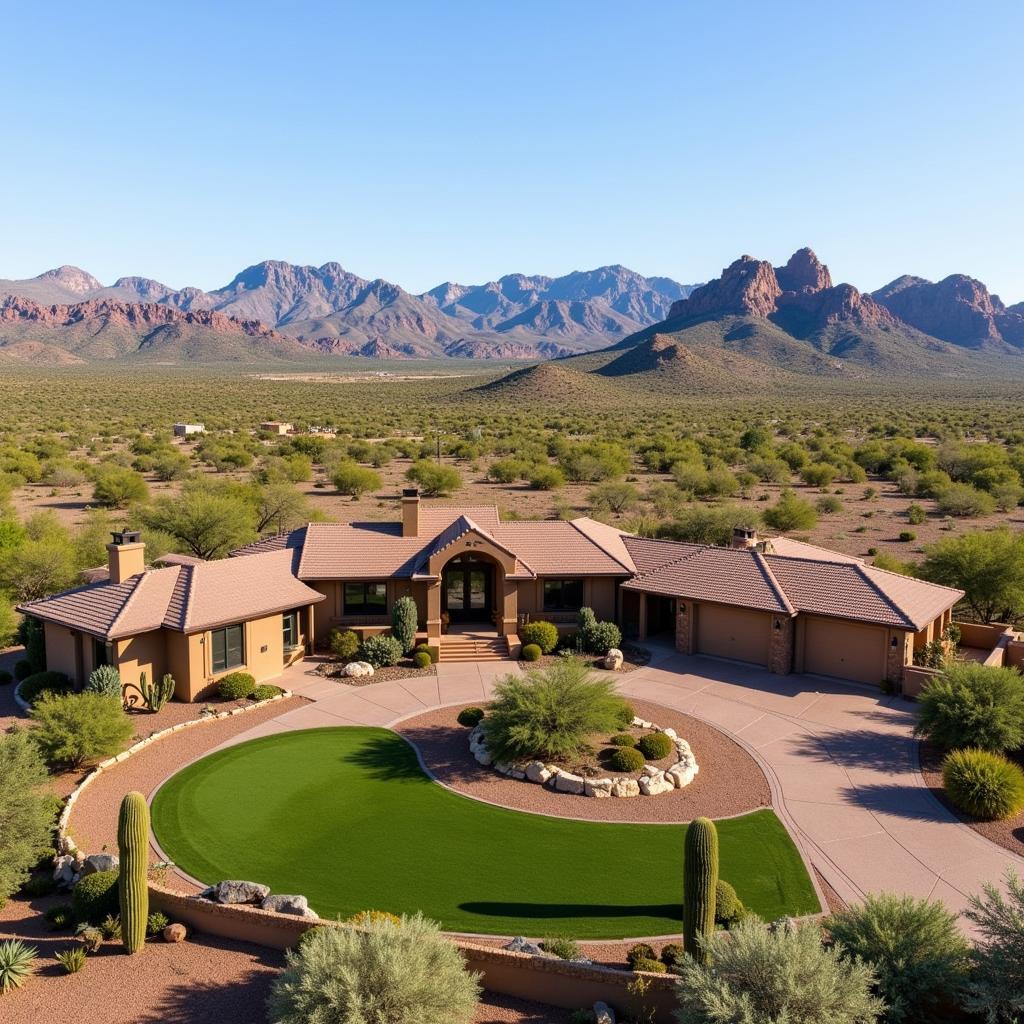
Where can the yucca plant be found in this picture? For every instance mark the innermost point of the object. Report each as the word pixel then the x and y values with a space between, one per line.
pixel 72 959
pixel 17 963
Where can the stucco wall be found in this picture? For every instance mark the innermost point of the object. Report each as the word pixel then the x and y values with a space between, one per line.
pixel 60 650
pixel 143 653
pixel 185 663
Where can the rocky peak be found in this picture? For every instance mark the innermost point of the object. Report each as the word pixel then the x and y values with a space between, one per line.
pixel 804 271
pixel 747 287
pixel 72 279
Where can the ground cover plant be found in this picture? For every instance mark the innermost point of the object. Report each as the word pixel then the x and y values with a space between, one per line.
pixel 408 844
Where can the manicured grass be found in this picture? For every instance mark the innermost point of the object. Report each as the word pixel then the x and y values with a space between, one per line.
pixel 346 817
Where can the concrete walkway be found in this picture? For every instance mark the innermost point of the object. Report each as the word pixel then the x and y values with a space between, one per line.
pixel 841 760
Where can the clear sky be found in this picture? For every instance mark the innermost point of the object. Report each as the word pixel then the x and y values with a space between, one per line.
pixel 430 141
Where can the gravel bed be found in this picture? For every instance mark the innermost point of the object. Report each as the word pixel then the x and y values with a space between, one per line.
pixel 1008 833
pixel 403 670
pixel 93 823
pixel 632 658
pixel 729 783
pixel 205 980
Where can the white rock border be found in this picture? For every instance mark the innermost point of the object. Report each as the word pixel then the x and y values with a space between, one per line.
pixel 66 846
pixel 652 781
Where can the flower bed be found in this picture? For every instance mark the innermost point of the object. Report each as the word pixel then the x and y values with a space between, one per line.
pixel 652 779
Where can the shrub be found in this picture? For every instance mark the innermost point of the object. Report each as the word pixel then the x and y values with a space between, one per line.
pixel 916 514
pixel 405 973
pixel 344 644
pixel 367 917
pixel 26 811
pixel 71 959
pixel 728 906
pixel 265 691
pixel 470 717
pixel 915 947
pixel 59 916
pixel 404 620
pixel 971 705
pixel 117 488
pixel 550 714
pixel 236 685
pixel 543 634
pixel 351 478
pixel 656 745
pixel 626 759
pixel 95 896
pixel 585 619
pixel 623 739
pixel 531 652
pixel 790 513
pixel 5 678
pixel 996 988
pixel 546 478
pixel 818 474
pixel 671 954
pixel 983 784
pixel 78 728
pixel 907 535
pixel 601 637
pixel 758 975
pixel 562 947
pixel 641 951
pixel 110 927
pixel 17 964
pixel 434 479
pixel 965 501
pixel 422 659
pixel 156 923
pixel 381 650
pixel 106 680
pixel 32 687
pixel 39 884
pixel 90 937
pixel 829 505
pixel 22 669
pixel 650 965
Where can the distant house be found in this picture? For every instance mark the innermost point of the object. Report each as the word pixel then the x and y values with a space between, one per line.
pixel 274 427
pixel 185 429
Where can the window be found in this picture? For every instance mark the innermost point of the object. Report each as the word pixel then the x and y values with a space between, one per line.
pixel 103 654
pixel 366 599
pixel 563 595
pixel 228 647
pixel 290 625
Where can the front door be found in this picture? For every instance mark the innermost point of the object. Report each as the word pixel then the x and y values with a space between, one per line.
pixel 467 591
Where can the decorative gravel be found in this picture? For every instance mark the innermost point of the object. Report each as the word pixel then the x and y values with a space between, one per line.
pixel 633 657
pixel 403 670
pixel 729 783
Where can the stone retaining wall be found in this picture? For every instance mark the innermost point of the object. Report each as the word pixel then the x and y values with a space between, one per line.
pixel 556 982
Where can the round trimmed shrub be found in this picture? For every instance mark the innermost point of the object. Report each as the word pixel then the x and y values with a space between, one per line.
pixel 907 535
pixel 33 686
pixel 626 759
pixel 641 951
pixel 236 686
pixel 266 691
pixel 531 652
pixel 95 896
pixel 652 966
pixel 671 954
pixel 983 784
pixel 422 659
pixel 728 906
pixel 424 648
pixel 623 739
pixel 601 637
pixel 543 634
pixel 382 650
pixel 655 746
pixel 22 669
pixel 5 678
pixel 470 717
pixel 344 644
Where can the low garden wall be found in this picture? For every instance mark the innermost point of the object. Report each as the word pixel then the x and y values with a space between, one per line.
pixel 556 982
pixel 1015 654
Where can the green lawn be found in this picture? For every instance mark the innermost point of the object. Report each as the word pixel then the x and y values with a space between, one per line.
pixel 346 817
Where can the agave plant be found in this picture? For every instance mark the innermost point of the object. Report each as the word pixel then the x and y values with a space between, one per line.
pixel 17 963
pixel 72 959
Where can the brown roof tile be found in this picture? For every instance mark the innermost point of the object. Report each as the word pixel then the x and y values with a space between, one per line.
pixel 557 548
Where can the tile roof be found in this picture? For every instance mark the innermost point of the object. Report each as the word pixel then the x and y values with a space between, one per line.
pixel 454 533
pixel 800 549
pixel 558 548
pixel 278 542
pixel 648 554
pixel 610 539
pixel 187 598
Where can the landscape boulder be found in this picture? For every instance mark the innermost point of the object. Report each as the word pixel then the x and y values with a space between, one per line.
pixel 523 945
pixel 357 669
pixel 625 787
pixel 613 659
pixel 603 1014
pixel 66 871
pixel 652 785
pixel 296 905
pixel 600 788
pixel 174 933
pixel 97 862
pixel 566 782
pixel 235 891
pixel 537 771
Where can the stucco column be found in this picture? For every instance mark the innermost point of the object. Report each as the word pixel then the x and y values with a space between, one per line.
pixel 434 610
pixel 509 621
pixel 310 629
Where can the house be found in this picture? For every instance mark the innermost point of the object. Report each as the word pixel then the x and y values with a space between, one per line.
pixel 273 427
pixel 778 604
pixel 195 620
pixel 187 429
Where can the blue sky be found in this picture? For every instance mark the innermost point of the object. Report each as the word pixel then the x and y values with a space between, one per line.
pixel 429 141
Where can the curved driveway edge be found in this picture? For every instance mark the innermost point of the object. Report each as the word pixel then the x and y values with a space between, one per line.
pixel 841 760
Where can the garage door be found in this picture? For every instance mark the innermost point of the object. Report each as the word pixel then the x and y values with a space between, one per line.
pixel 849 650
pixel 729 632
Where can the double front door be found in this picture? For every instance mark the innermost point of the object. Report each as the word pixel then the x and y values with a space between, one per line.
pixel 467 588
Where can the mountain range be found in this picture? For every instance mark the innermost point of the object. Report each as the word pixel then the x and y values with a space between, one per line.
pixel 755 323
pixel 327 310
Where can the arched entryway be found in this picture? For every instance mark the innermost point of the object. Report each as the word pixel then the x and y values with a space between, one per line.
pixel 467 590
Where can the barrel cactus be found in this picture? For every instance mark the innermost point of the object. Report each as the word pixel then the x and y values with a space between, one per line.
pixel 132 848
pixel 700 878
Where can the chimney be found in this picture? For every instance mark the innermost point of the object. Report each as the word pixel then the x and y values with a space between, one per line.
pixel 410 512
pixel 126 556
pixel 744 537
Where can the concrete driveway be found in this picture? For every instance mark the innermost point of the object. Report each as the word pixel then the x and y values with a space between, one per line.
pixel 841 760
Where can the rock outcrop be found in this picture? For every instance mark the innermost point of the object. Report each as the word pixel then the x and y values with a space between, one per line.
pixel 747 287
pixel 804 271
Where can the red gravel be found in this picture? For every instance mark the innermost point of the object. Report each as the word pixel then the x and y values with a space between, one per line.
pixel 729 782
pixel 205 980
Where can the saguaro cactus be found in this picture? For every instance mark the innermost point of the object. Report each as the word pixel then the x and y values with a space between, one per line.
pixel 132 848
pixel 700 877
